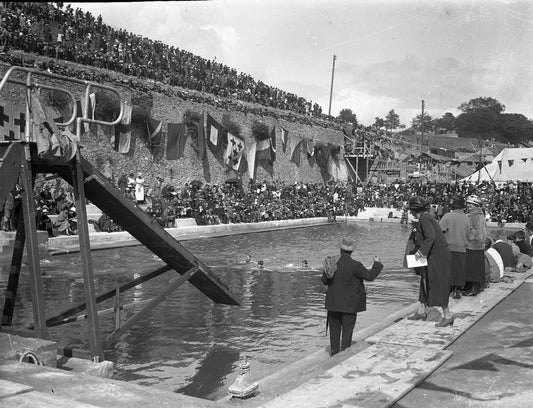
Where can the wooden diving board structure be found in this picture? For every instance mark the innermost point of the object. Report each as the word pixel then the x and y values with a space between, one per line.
pixel 145 229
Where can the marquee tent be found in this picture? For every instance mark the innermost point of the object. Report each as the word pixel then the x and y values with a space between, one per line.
pixel 508 165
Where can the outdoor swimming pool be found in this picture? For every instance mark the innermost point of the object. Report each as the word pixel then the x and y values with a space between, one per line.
pixel 189 344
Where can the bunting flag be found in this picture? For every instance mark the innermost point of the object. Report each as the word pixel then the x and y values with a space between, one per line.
pixel 200 147
pixel 250 158
pixel 284 139
pixel 322 154
pixel 295 145
pixel 234 150
pixel 273 143
pixel 264 151
pixel 122 138
pixel 12 122
pixel 153 127
pixel 177 137
pixel 310 145
pixel 214 134
pixel 92 105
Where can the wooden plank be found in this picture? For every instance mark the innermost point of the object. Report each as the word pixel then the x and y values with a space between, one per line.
pixel 375 377
pixel 9 388
pixel 141 226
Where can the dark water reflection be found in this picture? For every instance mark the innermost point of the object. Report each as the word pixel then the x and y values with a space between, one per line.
pixel 189 344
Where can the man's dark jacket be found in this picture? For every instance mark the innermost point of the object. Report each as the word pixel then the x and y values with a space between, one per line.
pixel 346 291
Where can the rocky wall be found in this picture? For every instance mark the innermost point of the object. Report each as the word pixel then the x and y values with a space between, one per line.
pixel 151 161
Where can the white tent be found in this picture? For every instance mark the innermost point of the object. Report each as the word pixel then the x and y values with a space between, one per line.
pixel 509 165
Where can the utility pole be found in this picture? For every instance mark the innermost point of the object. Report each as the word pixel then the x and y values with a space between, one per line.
pixel 422 129
pixel 331 90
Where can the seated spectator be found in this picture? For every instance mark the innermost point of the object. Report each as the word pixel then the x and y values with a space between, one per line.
pixel 523 261
pixel 494 268
pixel 522 243
pixel 506 252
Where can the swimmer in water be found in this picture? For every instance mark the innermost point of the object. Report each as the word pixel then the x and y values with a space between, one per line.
pixel 259 264
pixel 305 264
pixel 248 258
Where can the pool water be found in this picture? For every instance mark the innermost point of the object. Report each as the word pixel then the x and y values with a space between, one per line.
pixel 190 345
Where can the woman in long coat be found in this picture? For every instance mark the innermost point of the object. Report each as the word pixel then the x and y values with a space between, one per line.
pixel 475 249
pixel 431 244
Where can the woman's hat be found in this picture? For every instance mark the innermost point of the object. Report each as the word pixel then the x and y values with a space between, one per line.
pixel 474 200
pixel 456 202
pixel 418 203
pixel 346 244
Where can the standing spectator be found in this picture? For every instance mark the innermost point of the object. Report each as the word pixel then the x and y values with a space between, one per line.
pixel 432 245
pixel 346 295
pixel 139 188
pixel 475 249
pixel 454 224
pixel 122 183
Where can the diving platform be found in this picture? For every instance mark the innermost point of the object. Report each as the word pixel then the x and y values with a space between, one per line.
pixel 48 147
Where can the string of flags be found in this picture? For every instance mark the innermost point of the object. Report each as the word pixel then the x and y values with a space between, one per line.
pixel 209 133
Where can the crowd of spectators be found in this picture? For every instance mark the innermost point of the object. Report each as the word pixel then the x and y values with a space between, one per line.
pixel 232 202
pixel 64 33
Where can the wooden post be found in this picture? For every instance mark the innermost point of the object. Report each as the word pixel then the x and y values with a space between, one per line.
pixel 117 308
pixel 32 250
pixel 95 344
pixel 14 274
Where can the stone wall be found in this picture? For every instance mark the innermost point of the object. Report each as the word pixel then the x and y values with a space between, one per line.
pixel 96 145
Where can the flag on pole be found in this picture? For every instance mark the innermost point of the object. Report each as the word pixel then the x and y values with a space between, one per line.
pixel 214 134
pixel 284 139
pixel 153 127
pixel 122 138
pixel 177 137
pixel 234 150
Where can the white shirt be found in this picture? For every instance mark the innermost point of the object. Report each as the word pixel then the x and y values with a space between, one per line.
pixel 497 258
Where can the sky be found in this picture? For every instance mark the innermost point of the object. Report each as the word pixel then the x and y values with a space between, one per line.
pixel 390 54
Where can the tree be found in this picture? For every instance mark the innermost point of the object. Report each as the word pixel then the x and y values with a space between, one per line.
pixel 482 103
pixel 347 116
pixel 515 128
pixel 478 123
pixel 378 123
pixel 428 122
pixel 446 122
pixel 392 120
